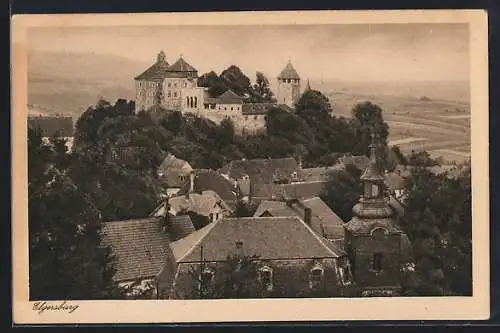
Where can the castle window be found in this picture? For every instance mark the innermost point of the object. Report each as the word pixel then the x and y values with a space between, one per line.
pixel 175 93
pixel 316 277
pixel 195 101
pixel 187 101
pixel 175 85
pixel 169 94
pixel 266 278
pixel 377 262
pixel 225 109
pixel 231 108
pixel 185 84
pixel 169 85
pixel 256 117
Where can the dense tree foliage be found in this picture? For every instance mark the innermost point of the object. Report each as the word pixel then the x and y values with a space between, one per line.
pixel 216 86
pixel 67 260
pixel 438 221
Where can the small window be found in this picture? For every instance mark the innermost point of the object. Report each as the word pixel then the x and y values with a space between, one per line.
pixel 225 109
pixel 231 108
pixel 175 85
pixel 185 84
pixel 377 262
pixel 169 94
pixel 256 117
pixel 211 217
pixel 175 93
pixel 316 277
pixel 169 85
pixel 266 278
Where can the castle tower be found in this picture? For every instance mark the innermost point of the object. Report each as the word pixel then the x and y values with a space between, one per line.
pixel 148 84
pixel 372 238
pixel 288 86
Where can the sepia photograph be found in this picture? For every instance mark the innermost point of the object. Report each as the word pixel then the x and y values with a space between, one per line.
pixel 250 157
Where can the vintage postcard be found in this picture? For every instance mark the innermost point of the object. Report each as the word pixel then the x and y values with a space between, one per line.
pixel 250 166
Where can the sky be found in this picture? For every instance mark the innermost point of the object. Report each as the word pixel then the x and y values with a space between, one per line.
pixel 347 52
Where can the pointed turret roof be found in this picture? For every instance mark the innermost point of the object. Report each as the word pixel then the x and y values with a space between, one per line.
pixel 372 172
pixel 289 72
pixel 157 71
pixel 181 66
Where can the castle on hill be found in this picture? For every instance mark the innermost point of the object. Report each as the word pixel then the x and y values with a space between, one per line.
pixel 175 87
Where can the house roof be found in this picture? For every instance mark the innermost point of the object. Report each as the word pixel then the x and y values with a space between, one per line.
pixel 229 97
pixel 200 203
pixel 255 108
pixel 50 125
pixel 321 173
pixel 181 66
pixel 155 72
pixel 173 163
pixel 299 190
pixel 180 227
pixel 140 246
pixel 289 72
pixel 266 237
pixel 260 170
pixel 214 181
pixel 323 220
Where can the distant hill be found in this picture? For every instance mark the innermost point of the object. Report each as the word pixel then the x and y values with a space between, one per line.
pixel 68 83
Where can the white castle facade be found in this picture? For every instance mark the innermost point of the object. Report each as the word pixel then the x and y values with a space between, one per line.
pixel 175 87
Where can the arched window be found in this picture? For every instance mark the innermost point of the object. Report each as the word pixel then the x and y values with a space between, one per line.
pixel 316 276
pixel 191 102
pixel 195 101
pixel 187 101
pixel 266 278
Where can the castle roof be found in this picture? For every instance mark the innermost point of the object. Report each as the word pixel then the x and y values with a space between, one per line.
pixel 181 66
pixel 268 237
pixel 289 73
pixel 157 71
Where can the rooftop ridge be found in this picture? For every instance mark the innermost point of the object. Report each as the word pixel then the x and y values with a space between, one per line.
pixel 209 228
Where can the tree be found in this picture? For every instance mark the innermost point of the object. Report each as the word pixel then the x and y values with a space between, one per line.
pixel 313 106
pixel 261 92
pixel 199 221
pixel 236 80
pixel 438 222
pixel 67 258
pixel 216 86
pixel 342 191
pixel 421 158
pixel 367 119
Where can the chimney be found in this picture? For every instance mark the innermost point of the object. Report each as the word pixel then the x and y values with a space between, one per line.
pixel 307 215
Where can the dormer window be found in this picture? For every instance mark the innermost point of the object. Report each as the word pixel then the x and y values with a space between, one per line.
pixel 316 276
pixel 266 278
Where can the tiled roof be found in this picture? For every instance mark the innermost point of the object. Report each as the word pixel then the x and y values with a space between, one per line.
pixel 289 72
pixel 180 227
pixel 171 162
pixel 214 181
pixel 255 108
pixel 200 203
pixel 157 71
pixel 141 248
pixel 323 220
pixel 181 66
pixel 260 170
pixel 266 237
pixel 300 190
pixel 50 125
pixel 229 97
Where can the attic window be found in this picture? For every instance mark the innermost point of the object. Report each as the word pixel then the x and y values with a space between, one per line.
pixel 266 278
pixel 316 276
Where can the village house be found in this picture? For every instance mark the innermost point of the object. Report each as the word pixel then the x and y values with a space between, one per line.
pixel 283 192
pixel 206 179
pixel 204 203
pixel 293 261
pixel 174 173
pixel 143 258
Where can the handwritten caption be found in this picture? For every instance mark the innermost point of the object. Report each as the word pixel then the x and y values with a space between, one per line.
pixel 44 306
